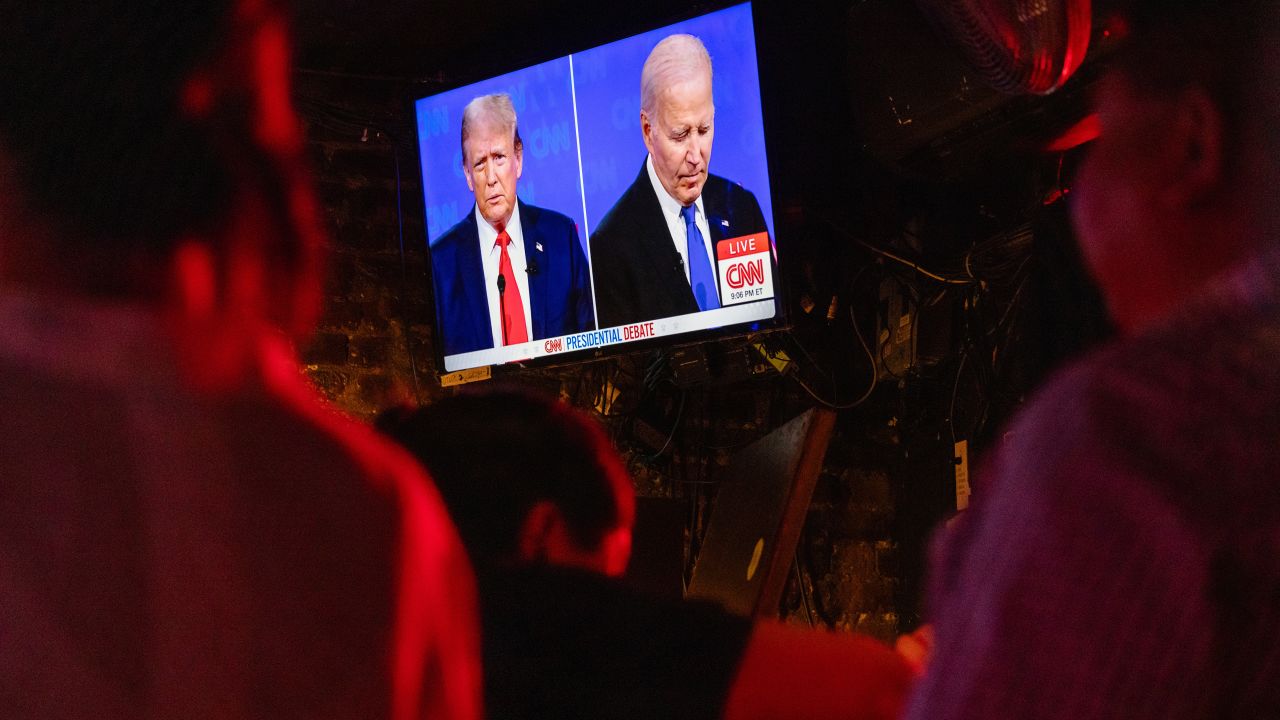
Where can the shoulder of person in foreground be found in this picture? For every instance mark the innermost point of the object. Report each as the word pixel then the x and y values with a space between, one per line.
pixel 798 674
pixel 1073 587
pixel 435 653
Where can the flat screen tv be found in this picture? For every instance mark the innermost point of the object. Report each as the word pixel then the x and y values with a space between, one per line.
pixel 603 198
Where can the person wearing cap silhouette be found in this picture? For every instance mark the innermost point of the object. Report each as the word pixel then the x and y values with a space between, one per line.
pixel 1121 555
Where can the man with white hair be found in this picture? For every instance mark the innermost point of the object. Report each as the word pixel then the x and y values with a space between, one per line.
pixel 508 272
pixel 653 254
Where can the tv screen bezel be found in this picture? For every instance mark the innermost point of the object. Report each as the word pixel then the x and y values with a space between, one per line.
pixel 455 78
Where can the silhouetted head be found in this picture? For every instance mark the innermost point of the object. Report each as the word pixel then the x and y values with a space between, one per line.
pixel 526 479
pixel 1182 183
pixel 150 151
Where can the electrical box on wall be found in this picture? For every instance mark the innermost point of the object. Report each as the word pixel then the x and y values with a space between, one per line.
pixel 896 334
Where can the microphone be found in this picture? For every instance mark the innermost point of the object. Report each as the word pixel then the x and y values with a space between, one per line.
pixel 502 306
pixel 532 267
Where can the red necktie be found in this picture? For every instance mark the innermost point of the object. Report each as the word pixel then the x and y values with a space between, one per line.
pixel 512 306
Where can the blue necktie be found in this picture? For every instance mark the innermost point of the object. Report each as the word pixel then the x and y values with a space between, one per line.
pixel 701 277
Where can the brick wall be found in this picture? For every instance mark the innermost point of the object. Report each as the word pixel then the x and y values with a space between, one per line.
pixel 372 346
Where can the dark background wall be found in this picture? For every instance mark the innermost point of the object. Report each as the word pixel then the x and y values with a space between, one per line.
pixel 898 149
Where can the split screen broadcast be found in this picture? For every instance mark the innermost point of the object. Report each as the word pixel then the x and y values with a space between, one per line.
pixel 578 203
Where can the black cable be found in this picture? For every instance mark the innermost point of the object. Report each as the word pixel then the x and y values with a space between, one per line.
pixel 404 276
pixel 871 386
pixel 1013 302
pixel 675 425
pixel 804 595
pixel 951 414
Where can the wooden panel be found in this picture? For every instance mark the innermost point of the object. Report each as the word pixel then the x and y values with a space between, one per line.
pixel 759 511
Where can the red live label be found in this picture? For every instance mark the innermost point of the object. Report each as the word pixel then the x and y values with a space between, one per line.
pixel 744 270
pixel 739 246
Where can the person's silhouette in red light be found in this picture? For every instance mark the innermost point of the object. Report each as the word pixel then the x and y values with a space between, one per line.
pixel 547 519
pixel 1121 556
pixel 185 531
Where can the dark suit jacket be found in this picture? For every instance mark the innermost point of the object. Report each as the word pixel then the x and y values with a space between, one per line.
pixel 559 287
pixel 638 273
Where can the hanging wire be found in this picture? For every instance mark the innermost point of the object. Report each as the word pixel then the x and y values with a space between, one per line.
pixel 871 386
pixel 404 277
pixel 804 594
pixel 914 265
pixel 675 425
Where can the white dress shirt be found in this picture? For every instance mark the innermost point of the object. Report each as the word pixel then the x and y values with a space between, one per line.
pixel 676 224
pixel 491 257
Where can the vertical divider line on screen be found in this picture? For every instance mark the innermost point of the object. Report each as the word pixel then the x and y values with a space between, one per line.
pixel 582 190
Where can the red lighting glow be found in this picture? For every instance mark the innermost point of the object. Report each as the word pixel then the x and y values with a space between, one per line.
pixel 1082 132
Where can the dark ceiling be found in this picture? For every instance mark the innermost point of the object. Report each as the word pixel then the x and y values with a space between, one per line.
pixel 872 73
pixel 421 38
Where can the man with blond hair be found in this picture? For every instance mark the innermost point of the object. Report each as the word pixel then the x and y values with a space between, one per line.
pixel 508 272
pixel 653 253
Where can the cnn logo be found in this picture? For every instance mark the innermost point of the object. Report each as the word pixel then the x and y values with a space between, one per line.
pixel 741 274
